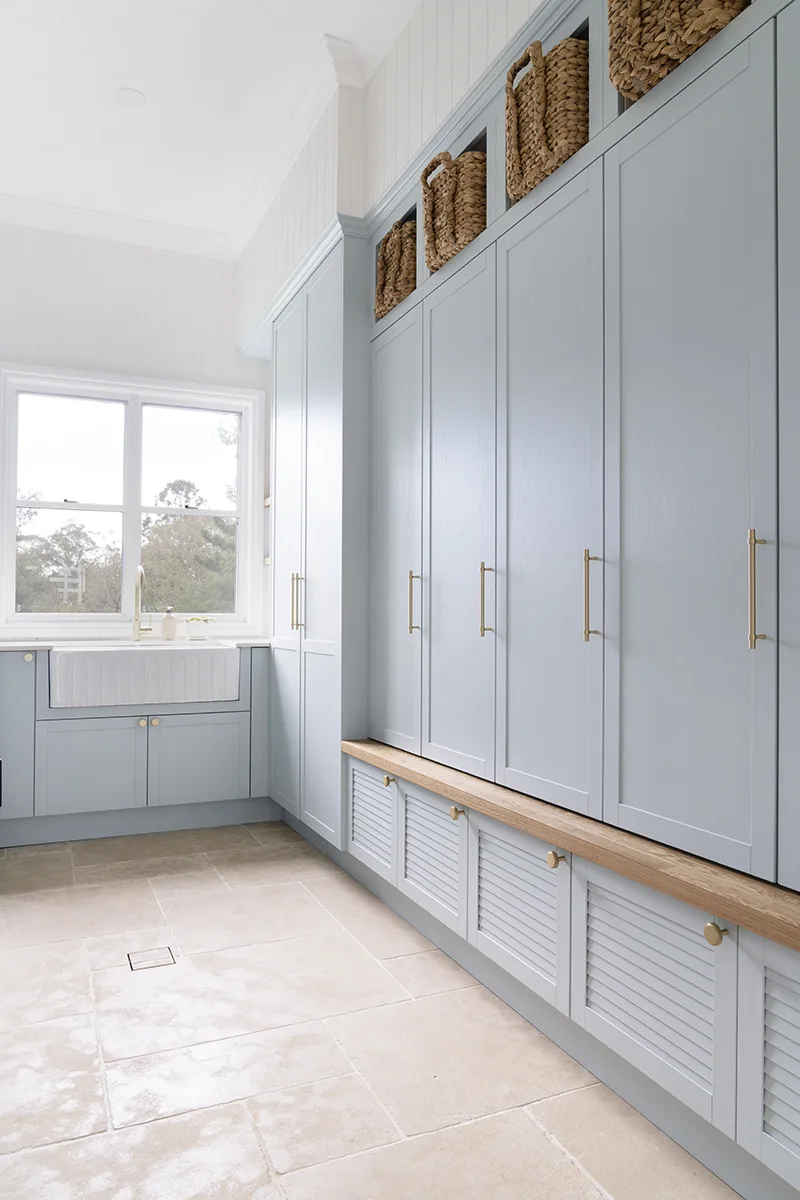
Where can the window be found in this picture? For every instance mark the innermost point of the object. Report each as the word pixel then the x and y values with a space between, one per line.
pixel 101 478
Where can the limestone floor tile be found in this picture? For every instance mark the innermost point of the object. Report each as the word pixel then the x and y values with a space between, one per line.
pixel 217 922
pixel 428 973
pixel 317 1122
pixel 51 1088
pixel 35 873
pixel 374 925
pixel 273 832
pixel 504 1157
pixel 627 1155
pixel 231 992
pixel 175 1081
pixel 40 983
pixel 143 868
pixel 112 949
pixel 77 913
pixel 283 862
pixel 167 887
pixel 213 1155
pixel 16 852
pixel 449 1058
pixel 161 845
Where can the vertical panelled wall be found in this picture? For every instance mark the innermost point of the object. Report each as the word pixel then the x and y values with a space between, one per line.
pixel 443 50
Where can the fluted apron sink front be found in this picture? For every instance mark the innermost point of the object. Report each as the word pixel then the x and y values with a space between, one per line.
pixel 93 676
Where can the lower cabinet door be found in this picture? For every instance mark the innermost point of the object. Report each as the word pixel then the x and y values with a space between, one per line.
pixel 371 807
pixel 195 758
pixel 769 1055
pixel 519 907
pixel 647 983
pixel 432 863
pixel 90 765
pixel 17 716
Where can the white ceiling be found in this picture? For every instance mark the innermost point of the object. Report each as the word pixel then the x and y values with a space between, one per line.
pixel 220 77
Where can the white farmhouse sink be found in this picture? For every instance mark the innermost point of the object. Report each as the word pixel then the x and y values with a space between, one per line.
pixel 97 675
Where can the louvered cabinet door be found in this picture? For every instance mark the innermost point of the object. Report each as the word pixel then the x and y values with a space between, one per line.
pixel 433 856
pixel 769 1055
pixel 519 907
pixel 371 818
pixel 647 984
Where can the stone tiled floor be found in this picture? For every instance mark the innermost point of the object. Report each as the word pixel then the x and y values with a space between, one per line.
pixel 306 1044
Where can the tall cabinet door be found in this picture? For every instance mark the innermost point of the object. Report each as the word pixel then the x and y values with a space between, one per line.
pixel 395 634
pixel 691 469
pixel 789 304
pixel 550 499
pixel 458 609
pixel 287 490
pixel 320 590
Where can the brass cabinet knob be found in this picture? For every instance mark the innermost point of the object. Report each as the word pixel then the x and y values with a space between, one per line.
pixel 389 779
pixel 455 812
pixel 554 858
pixel 142 722
pixel 155 721
pixel 713 934
pixel 27 658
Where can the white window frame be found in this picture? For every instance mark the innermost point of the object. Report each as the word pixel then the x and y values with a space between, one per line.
pixel 250 617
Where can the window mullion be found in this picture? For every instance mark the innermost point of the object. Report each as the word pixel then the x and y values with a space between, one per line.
pixel 131 500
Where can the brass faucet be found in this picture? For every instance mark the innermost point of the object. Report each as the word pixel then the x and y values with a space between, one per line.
pixel 138 627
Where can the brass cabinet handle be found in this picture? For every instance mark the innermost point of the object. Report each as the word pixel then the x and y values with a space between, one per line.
pixel 587 558
pixel 155 721
pixel 142 722
pixel 713 934
pixel 752 542
pixel 455 812
pixel 294 600
pixel 298 623
pixel 27 658
pixel 484 627
pixel 389 779
pixel 553 859
pixel 411 578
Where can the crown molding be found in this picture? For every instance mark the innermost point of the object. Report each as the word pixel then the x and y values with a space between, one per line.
pixel 113 227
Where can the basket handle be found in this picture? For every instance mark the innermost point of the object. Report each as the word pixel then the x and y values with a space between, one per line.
pixel 450 174
pixel 533 56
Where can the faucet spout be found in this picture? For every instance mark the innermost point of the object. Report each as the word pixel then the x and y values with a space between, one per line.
pixel 138 587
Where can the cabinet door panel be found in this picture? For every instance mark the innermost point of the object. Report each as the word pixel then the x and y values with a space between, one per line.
pixel 90 765
pixel 321 775
pixel 192 759
pixel 371 818
pixel 459 519
pixel 550 498
pixel 287 475
pixel 395 651
pixel 434 852
pixel 789 446
pixel 691 467
pixel 320 589
pixel 284 727
pixel 17 717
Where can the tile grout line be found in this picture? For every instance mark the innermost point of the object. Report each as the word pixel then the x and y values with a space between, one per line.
pixel 100 1055
pixel 366 1083
pixel 274 1177
pixel 217 872
pixel 576 1162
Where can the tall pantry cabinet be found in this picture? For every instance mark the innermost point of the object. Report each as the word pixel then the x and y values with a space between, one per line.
pixel 319 535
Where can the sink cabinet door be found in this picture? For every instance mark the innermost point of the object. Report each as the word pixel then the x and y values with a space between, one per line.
pixel 17 699
pixel 198 757
pixel 90 765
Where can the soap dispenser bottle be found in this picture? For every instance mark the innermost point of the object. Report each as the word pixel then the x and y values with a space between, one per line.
pixel 169 626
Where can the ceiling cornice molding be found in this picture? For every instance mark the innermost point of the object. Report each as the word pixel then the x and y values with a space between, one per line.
pixel 334 64
pixel 113 227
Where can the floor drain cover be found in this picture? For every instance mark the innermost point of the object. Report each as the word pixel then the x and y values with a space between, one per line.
pixel 140 960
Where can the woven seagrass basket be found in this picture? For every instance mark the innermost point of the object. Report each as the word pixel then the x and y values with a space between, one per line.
pixel 649 38
pixel 547 113
pixel 453 204
pixel 396 267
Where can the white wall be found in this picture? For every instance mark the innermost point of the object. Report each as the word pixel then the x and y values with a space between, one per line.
pixel 69 301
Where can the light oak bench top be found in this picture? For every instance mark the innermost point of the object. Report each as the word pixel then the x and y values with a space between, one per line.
pixel 766 909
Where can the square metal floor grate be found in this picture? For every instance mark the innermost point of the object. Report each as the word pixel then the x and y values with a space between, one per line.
pixel 141 960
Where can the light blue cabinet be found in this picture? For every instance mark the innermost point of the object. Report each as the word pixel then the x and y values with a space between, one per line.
pixel 198 757
pixel 91 765
pixel 691 449
pixel 550 499
pixel 17 709
pixel 433 854
pixel 371 804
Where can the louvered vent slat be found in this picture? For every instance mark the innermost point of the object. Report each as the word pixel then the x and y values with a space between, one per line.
pixel 372 816
pixel 781 1113
pixel 632 990
pixel 517 902
pixel 431 852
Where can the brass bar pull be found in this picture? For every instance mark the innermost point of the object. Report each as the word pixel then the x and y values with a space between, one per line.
pixel 294 600
pixel 484 627
pixel 752 542
pixel 298 623
pixel 587 558
pixel 411 578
